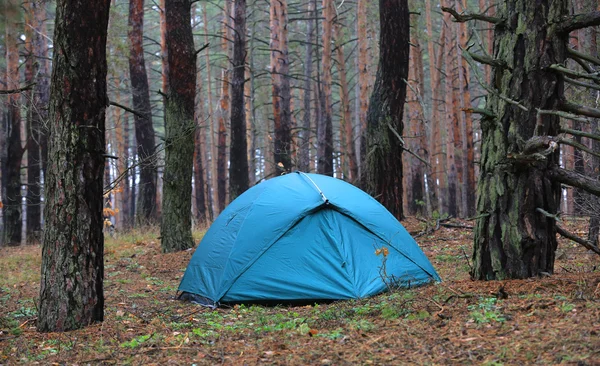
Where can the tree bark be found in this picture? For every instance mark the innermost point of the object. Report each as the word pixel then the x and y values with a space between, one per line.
pixel 71 291
pixel 11 162
pixel 280 87
pixel 512 239
pixel 144 131
pixel 34 161
pixel 222 114
pixel 383 165
pixel 363 77
pixel 325 128
pixel 176 230
pixel 346 128
pixel 238 148
pixel 305 131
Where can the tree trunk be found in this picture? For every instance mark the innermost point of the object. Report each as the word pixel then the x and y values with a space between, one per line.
pixel 238 148
pixel 325 128
pixel 222 114
pixel 305 131
pixel 71 291
pixel 451 121
pixel 144 131
pixel 280 87
pixel 211 177
pixel 11 165
pixel 383 165
pixel 346 130
pixel 363 76
pixel 176 230
pixel 34 162
pixel 513 239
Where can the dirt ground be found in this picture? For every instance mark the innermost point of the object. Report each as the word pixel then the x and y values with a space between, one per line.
pixel 549 320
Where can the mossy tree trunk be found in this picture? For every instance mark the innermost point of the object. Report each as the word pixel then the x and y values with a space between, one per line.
pixel 238 149
pixel 176 225
pixel 512 238
pixel 382 173
pixel 71 292
pixel 144 131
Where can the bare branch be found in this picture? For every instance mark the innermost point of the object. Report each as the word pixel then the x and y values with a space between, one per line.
pixel 563 114
pixel 465 17
pixel 580 109
pixel 586 244
pixel 581 83
pixel 579 146
pixel 583 56
pixel 563 232
pixel 574 179
pixel 139 114
pixel 404 145
pixel 579 133
pixel 488 60
pixel 579 21
pixel 574 74
pixel 16 91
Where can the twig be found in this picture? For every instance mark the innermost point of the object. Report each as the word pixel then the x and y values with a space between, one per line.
pixel 18 90
pixel 139 114
pixel 457 226
pixel 461 18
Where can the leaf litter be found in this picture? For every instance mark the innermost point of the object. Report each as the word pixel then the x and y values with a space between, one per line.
pixel 553 319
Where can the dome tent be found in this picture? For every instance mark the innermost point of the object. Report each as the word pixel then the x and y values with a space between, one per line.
pixel 302 237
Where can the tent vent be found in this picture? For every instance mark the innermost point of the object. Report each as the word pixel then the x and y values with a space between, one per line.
pixel 317 187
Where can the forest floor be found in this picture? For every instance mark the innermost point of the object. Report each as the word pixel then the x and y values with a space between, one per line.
pixel 550 320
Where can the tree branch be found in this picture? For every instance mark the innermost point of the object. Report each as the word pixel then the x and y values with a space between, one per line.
pixel 484 59
pixel 580 109
pixel 563 232
pixel 580 83
pixel 139 114
pixel 586 244
pixel 404 145
pixel 563 114
pixel 574 179
pixel 579 133
pixel 461 18
pixel 574 74
pixel 583 56
pixel 579 146
pixel 579 21
pixel 17 91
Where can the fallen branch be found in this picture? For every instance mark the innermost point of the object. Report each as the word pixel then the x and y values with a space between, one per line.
pixel 457 226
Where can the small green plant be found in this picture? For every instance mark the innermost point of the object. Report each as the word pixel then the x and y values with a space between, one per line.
pixel 486 311
pixel 566 307
pixel 333 335
pixel 136 342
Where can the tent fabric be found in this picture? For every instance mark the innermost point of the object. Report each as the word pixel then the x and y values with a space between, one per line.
pixel 303 237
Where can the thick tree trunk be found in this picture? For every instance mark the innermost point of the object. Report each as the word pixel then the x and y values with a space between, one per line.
pixel 176 230
pixel 144 131
pixel 383 165
pixel 71 291
pixel 513 239
pixel 325 128
pixel 238 148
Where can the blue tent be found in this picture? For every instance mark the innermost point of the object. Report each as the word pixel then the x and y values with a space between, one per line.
pixel 303 237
